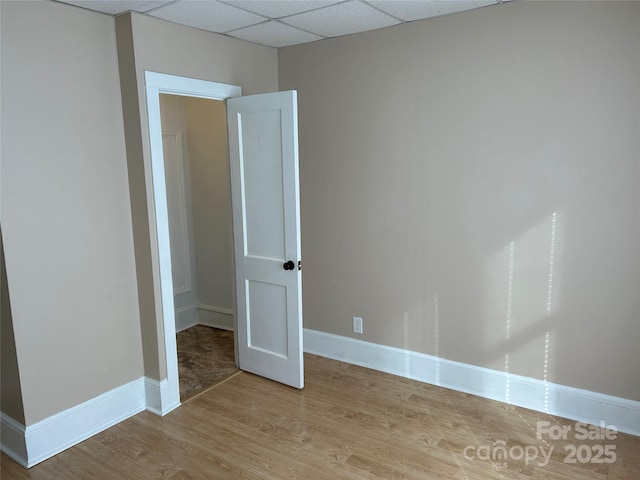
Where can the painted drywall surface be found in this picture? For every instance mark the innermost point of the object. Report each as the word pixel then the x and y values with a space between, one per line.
pixel 165 47
pixel 183 250
pixel 152 349
pixel 210 188
pixel 10 391
pixel 469 186
pixel 203 124
pixel 66 220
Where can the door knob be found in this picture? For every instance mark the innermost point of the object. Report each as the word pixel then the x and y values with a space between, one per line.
pixel 288 265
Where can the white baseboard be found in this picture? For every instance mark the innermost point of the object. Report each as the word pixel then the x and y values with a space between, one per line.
pixel 555 399
pixel 158 394
pixel 58 432
pixel 186 317
pixel 13 443
pixel 216 317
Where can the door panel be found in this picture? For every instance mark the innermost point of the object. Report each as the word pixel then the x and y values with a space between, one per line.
pixel 262 165
pixel 263 150
pixel 266 319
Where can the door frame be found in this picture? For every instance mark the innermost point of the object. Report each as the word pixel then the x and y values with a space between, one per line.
pixel 157 83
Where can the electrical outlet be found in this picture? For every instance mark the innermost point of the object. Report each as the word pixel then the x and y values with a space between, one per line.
pixel 357 324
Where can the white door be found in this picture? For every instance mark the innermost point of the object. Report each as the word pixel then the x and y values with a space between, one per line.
pixel 263 150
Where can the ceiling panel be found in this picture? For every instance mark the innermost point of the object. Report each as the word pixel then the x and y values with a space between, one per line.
pixel 409 10
pixel 341 19
pixel 114 7
pixel 274 34
pixel 280 8
pixel 284 22
pixel 210 15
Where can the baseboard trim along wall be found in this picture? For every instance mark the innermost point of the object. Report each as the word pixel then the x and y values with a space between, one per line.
pixel 216 317
pixel 202 314
pixel 58 432
pixel 158 397
pixel 555 399
pixel 35 443
pixel 186 317
pixel 12 434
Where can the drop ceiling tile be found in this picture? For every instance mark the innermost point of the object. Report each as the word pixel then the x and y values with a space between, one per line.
pixel 280 8
pixel 341 19
pixel 274 34
pixel 207 15
pixel 114 7
pixel 409 10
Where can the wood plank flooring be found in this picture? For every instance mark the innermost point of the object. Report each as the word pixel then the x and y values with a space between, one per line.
pixel 348 422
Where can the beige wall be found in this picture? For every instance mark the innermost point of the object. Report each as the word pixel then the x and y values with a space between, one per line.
pixel 66 219
pixel 146 43
pixel 469 186
pixel 10 391
pixel 210 188
pixel 184 264
pixel 203 123
pixel 71 186
pixel 438 161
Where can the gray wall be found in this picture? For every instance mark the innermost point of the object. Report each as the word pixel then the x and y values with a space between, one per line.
pixel 470 187
pixel 66 220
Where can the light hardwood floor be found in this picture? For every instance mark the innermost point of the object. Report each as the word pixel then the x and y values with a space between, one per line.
pixel 348 422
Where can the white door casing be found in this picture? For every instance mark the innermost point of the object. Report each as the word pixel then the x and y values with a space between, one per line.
pixel 168 391
pixel 263 151
pixel 168 396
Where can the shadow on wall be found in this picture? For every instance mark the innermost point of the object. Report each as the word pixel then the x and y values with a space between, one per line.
pixel 10 390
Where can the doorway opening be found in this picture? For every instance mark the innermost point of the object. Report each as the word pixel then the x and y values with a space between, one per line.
pixel 156 85
pixel 196 165
pixel 265 194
